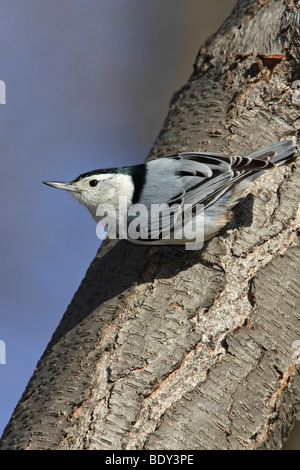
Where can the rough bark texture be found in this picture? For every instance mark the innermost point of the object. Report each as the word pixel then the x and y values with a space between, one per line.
pixel 166 349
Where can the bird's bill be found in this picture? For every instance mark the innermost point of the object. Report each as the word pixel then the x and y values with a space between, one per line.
pixel 60 185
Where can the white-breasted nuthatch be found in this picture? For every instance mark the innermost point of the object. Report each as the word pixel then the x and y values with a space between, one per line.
pixel 212 181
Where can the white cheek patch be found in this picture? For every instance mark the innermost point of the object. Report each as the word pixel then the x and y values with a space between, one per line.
pixel 108 191
pixel 116 186
pixel 106 187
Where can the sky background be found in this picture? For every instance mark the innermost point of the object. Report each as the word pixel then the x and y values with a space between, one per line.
pixel 88 84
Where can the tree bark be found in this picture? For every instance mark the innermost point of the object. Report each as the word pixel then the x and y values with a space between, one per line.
pixel 162 348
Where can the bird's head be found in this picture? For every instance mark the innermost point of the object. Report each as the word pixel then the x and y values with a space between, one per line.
pixel 99 187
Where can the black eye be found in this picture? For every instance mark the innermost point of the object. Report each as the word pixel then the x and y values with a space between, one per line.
pixel 93 183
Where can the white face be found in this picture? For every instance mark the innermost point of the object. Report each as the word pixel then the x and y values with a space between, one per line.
pixel 94 190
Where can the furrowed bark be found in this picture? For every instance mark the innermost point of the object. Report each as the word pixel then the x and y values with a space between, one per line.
pixel 162 348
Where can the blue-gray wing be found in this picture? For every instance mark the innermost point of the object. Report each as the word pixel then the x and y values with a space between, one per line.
pixel 205 176
pixel 199 179
pixel 181 181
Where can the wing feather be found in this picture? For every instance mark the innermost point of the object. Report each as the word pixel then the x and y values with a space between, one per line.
pixel 202 178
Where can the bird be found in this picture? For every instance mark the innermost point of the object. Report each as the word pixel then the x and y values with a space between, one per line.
pixel 181 199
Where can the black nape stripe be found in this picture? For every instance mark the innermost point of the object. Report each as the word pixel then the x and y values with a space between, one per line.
pixel 138 174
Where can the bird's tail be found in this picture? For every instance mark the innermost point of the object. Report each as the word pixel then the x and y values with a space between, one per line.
pixel 281 153
pixel 267 158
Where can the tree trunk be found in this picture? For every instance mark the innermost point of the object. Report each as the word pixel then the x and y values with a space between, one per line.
pixel 163 348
